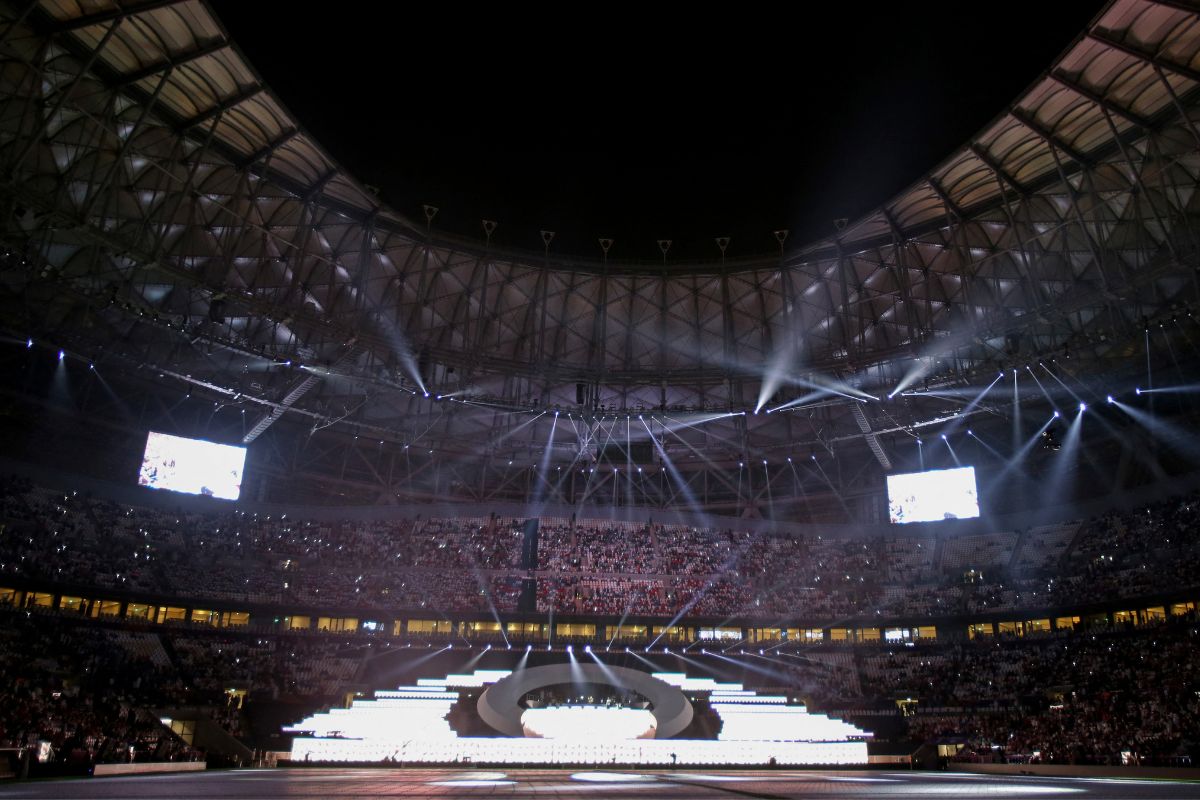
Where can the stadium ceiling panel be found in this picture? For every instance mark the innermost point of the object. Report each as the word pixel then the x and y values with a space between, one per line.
pixel 176 214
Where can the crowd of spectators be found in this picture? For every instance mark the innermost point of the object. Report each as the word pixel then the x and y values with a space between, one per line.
pixel 588 566
pixel 443 564
pixel 93 691
pixel 84 696
pixel 1092 698
pixel 97 693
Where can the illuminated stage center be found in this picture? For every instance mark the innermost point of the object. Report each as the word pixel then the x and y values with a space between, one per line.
pixel 592 723
pixel 409 725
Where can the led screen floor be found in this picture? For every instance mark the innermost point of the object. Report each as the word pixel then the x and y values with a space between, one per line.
pixel 368 783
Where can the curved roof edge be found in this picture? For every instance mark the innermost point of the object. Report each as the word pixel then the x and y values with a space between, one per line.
pixel 1127 72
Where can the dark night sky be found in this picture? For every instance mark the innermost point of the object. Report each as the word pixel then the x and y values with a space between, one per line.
pixel 591 122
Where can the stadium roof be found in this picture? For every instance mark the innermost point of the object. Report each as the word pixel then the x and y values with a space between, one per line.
pixel 172 212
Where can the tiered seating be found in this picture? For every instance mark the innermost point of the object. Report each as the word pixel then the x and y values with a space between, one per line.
pixel 143 646
pixel 1043 547
pixel 587 567
pixel 1090 699
pixel 984 552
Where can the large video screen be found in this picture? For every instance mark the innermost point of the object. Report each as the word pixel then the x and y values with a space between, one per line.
pixel 193 466
pixel 934 495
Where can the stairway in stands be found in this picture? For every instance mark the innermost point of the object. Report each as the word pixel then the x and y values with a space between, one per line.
pixel 529 562
pixel 1017 551
pixel 168 647
pixel 939 552
pixel 658 552
pixel 207 734
pixel 1081 533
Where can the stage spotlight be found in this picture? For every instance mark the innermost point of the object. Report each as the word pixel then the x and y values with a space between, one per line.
pixel 1056 413
pixel 943 436
pixel 61 355
pixel 1137 391
pixel 1083 407
pixel 528 647
pixel 570 649
pixel 28 343
pixel 970 432
pixel 587 648
pixel 1110 399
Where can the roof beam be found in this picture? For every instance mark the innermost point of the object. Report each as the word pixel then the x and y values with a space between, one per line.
pixel 1179 5
pixel 1029 122
pixel 270 147
pixel 318 187
pixel 1146 56
pixel 229 102
pixel 995 167
pixel 950 205
pixel 99 18
pixel 175 60
pixel 1088 94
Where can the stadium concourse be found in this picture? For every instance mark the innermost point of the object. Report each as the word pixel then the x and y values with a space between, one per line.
pixel 302 486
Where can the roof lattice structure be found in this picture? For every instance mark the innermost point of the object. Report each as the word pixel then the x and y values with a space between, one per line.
pixel 185 219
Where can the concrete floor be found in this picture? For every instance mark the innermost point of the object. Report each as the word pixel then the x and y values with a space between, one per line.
pixel 680 785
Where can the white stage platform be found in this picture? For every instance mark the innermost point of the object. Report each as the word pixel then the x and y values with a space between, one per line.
pixel 409 725
pixel 643 752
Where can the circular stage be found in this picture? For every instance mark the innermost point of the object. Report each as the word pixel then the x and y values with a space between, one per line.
pixel 324 783
pixel 498 705
pixel 599 723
